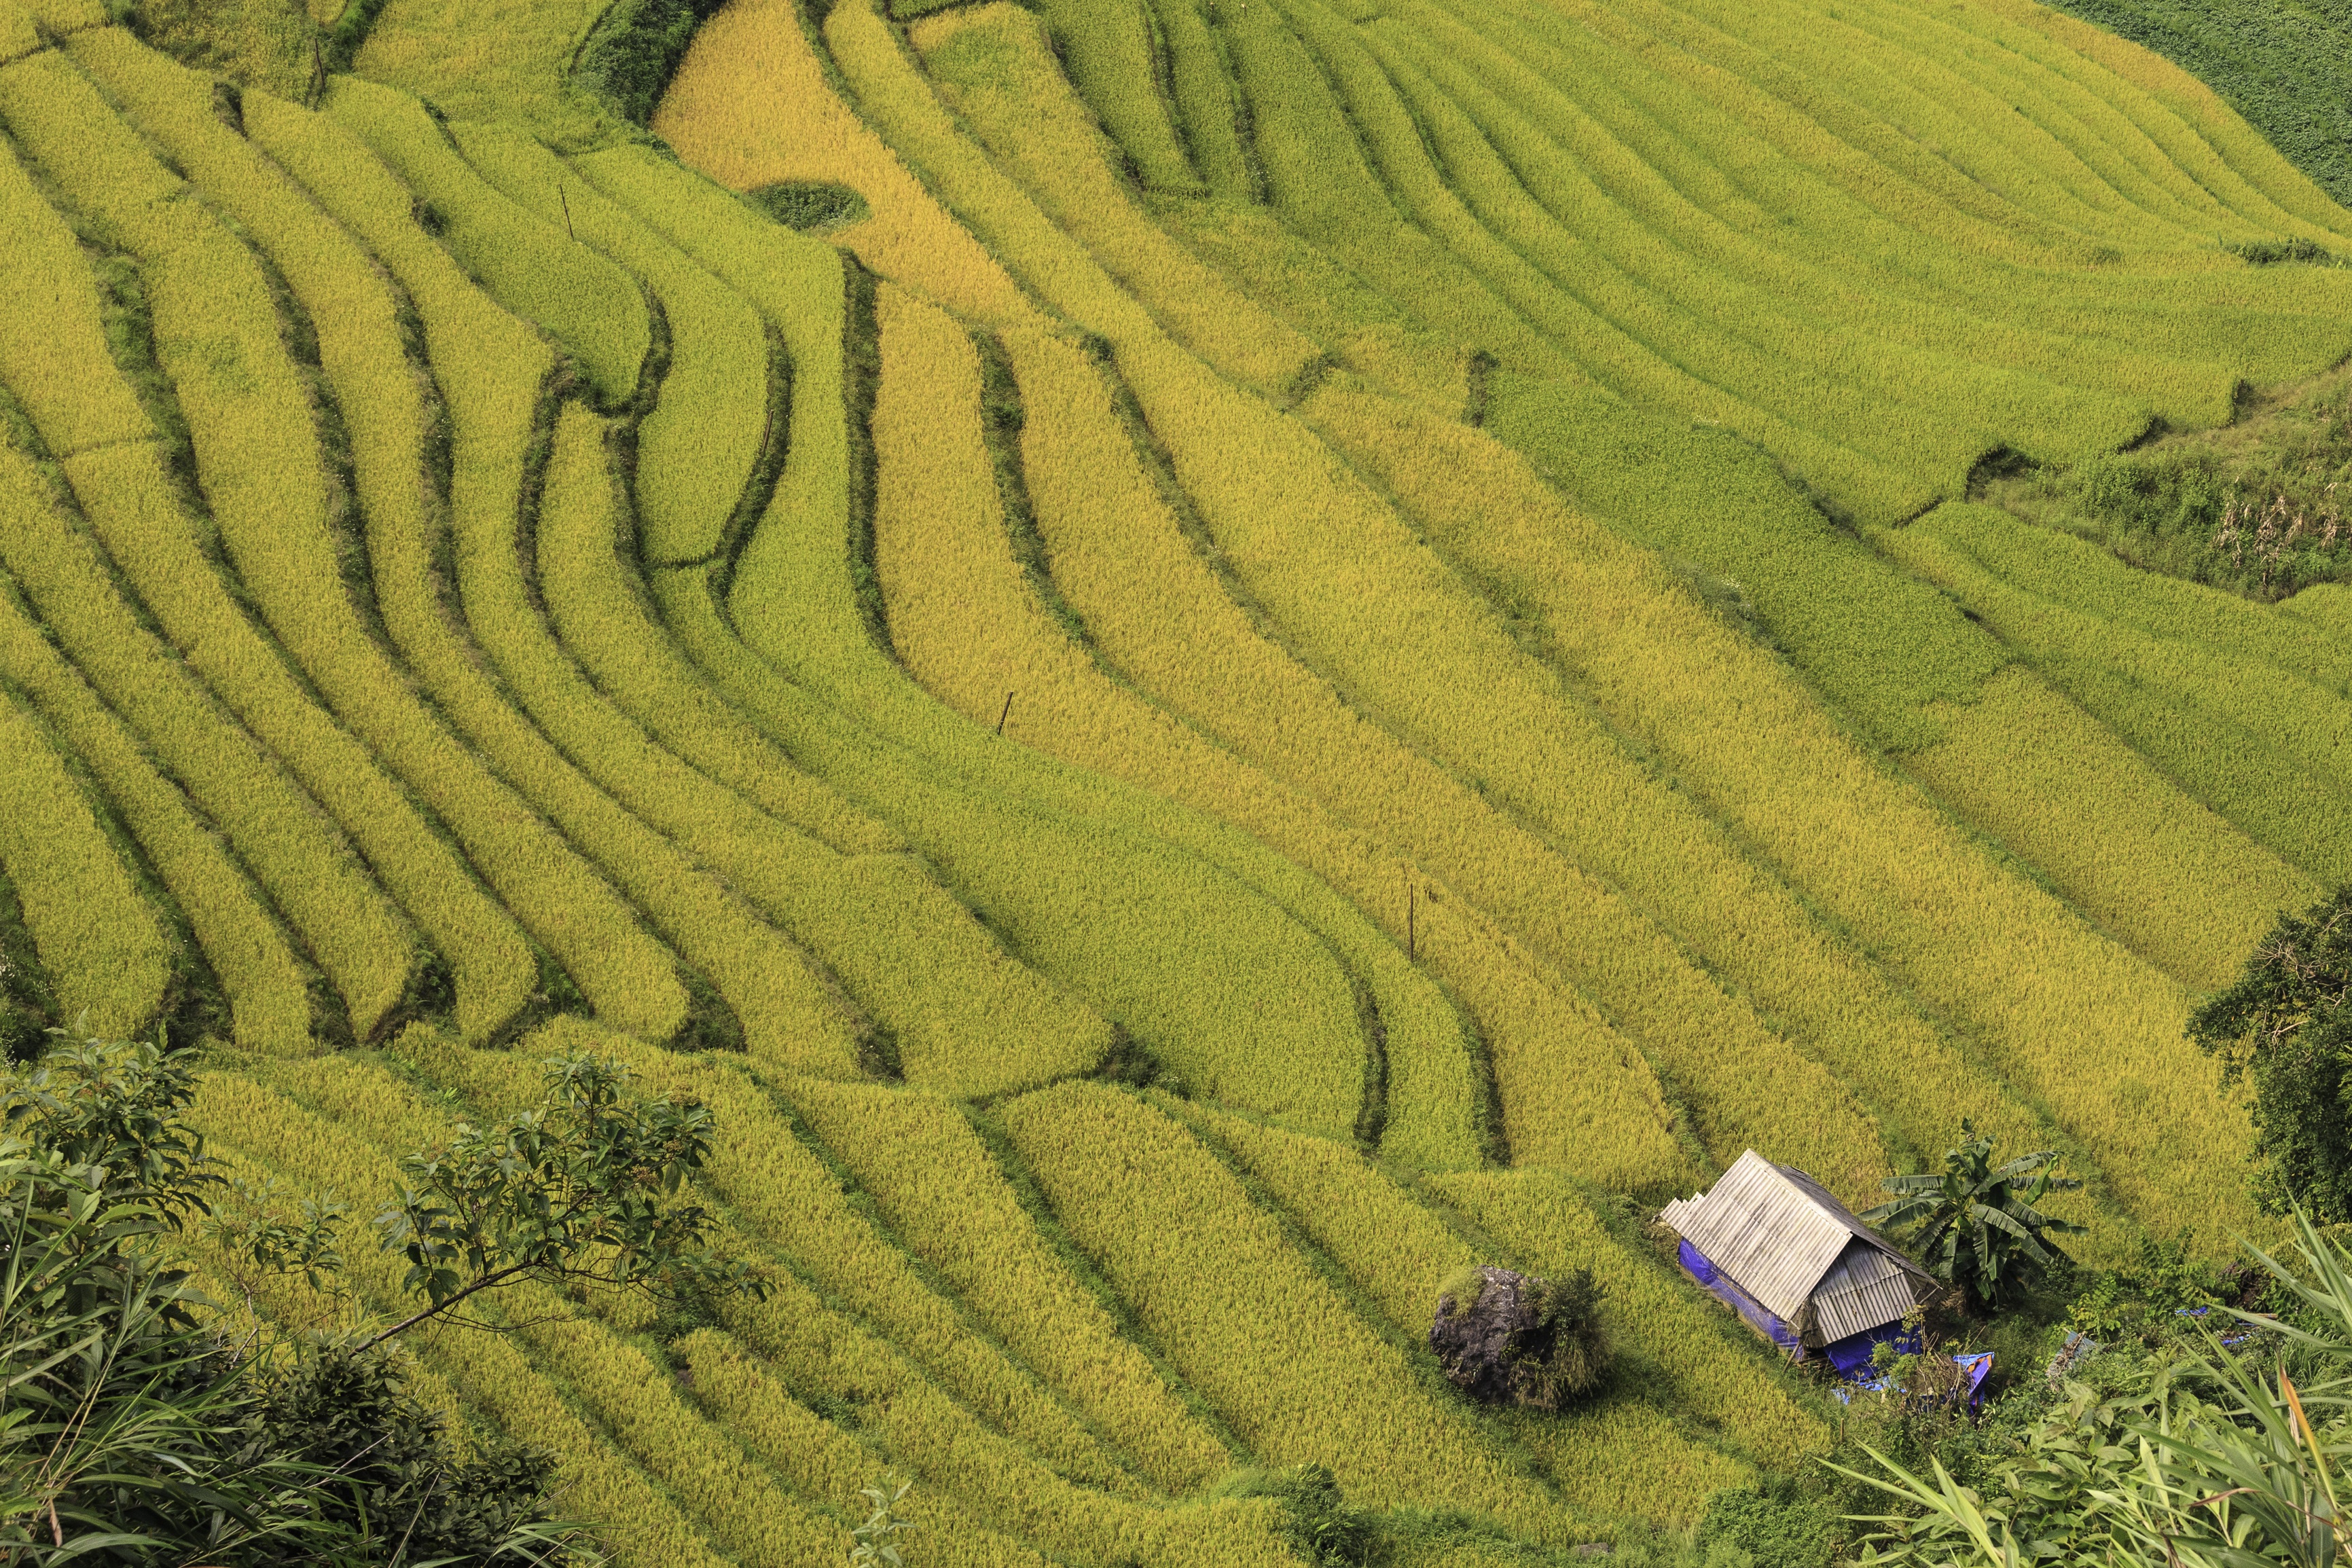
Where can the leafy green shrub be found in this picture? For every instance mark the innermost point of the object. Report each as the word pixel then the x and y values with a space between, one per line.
pixel 1317 1519
pixel 812 206
pixel 2284 1027
pixel 1769 1525
pixel 20 1032
pixel 388 1453
pixel 2142 1300
pixel 2271 252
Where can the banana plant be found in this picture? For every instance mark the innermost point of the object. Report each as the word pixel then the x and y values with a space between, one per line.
pixel 1977 1224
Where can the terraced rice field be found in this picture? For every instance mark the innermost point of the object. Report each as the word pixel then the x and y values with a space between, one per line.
pixel 1326 634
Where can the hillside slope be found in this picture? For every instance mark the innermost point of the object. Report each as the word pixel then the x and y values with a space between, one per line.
pixel 1284 647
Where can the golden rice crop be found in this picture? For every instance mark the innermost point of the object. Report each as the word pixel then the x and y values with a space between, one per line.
pixel 1131 907
pixel 556 896
pixel 1700 1353
pixel 591 305
pixel 492 406
pixel 811 1346
pixel 263 978
pixel 2060 150
pixel 748 68
pixel 2166 875
pixel 1930 409
pixel 1240 461
pixel 1619 1456
pixel 787 1017
pixel 2241 733
pixel 1264 1339
pixel 1001 76
pixel 491 59
pixel 942 1192
pixel 1558 106
pixel 1616 1456
pixel 820 1458
pixel 108 958
pixel 2071 571
pixel 1804 388
pixel 258 460
pixel 73 396
pixel 968 1017
pixel 2179 111
pixel 696 448
pixel 1571 1093
pixel 784 1195
pixel 1978 943
pixel 733 1501
pixel 1625 1457
pixel 596 600
pixel 1900 192
pixel 938 526
pixel 965 623
pixel 626 974
pixel 294 852
pixel 1204 98
pixel 1902 660
pixel 1113 59
pixel 2076 137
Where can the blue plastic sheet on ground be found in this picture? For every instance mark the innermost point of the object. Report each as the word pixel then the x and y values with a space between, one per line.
pixel 1978 1365
pixel 2231 1338
pixel 1695 1265
pixel 1851 1356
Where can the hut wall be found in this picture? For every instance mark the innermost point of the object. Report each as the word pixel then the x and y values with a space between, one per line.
pixel 1757 1316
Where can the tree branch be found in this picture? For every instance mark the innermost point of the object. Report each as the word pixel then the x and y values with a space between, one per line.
pixel 438 1308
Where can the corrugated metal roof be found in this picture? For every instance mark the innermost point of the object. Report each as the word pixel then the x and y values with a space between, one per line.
pixel 1778 1234
pixel 1767 1233
pixel 1863 1289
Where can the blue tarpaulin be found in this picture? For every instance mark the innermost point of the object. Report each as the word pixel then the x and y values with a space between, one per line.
pixel 1851 1355
pixel 1977 1366
pixel 1695 1265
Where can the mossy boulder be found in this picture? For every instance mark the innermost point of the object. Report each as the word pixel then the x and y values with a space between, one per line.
pixel 1505 1338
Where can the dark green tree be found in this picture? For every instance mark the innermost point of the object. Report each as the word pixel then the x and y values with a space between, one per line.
pixel 2284 1030
pixel 1977 1224
pixel 583 1189
pixel 133 1430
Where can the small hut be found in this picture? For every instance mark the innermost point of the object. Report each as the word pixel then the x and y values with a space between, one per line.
pixel 1795 1262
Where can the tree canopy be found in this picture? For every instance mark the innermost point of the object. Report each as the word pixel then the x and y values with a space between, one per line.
pixel 2285 1031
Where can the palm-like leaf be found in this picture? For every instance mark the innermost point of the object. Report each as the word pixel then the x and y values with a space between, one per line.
pixel 1976 1224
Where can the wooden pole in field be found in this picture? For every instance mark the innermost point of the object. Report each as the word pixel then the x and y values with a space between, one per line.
pixel 1412 924
pixel 566 200
pixel 1006 715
